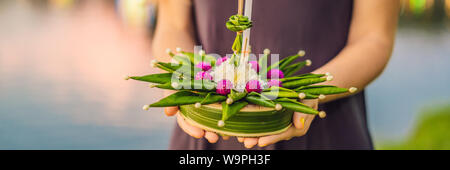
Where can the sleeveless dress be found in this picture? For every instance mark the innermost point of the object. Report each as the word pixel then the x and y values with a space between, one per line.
pixel 320 27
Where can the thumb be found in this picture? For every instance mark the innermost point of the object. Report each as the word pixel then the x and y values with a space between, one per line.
pixel 300 120
pixel 170 111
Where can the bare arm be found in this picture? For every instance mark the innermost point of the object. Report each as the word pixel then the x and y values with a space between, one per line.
pixel 174 28
pixel 367 52
pixel 369 45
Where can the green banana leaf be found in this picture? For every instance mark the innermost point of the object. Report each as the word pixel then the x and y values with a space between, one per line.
pixel 326 90
pixel 154 78
pixel 287 62
pixel 302 82
pixel 298 107
pixel 237 95
pixel 284 99
pixel 196 58
pixel 169 67
pixel 185 98
pixel 292 69
pixel 276 88
pixel 232 109
pixel 262 62
pixel 260 101
pixel 303 76
pixel 289 94
pixel 183 60
pixel 194 85
pixel 284 62
pixel 237 44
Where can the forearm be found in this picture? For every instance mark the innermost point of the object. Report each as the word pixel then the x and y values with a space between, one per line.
pixel 174 28
pixel 369 46
pixel 357 65
pixel 171 39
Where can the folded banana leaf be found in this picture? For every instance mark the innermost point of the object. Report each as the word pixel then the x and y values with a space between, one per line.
pixel 257 100
pixel 322 89
pixel 154 78
pixel 303 76
pixel 276 88
pixel 185 98
pixel 235 96
pixel 169 67
pixel 251 121
pixel 286 62
pixel 196 58
pixel 302 82
pixel 232 109
pixel 289 94
pixel 297 107
pixel 292 69
pixel 193 85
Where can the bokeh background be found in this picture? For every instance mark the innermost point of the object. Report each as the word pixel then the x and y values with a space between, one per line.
pixel 62 64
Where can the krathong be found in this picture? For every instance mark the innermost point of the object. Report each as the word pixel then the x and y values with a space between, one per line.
pixel 234 96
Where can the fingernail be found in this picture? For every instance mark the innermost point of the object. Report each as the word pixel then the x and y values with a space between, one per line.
pixel 302 121
pixel 240 140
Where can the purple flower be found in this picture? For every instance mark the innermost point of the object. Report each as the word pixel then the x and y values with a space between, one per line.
pixel 204 66
pixel 253 86
pixel 255 65
pixel 274 82
pixel 221 60
pixel 203 75
pixel 224 87
pixel 275 74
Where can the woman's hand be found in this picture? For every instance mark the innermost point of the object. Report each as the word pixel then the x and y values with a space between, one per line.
pixel 175 29
pixel 301 123
pixel 192 130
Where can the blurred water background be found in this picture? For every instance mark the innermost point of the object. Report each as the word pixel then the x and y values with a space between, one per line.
pixel 62 64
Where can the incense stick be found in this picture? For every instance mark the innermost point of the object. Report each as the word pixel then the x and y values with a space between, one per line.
pixel 246 35
pixel 240 6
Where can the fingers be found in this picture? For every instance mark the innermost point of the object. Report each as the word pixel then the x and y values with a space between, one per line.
pixel 299 120
pixel 250 142
pixel 301 125
pixel 195 131
pixel 189 129
pixel 225 137
pixel 170 111
pixel 268 140
pixel 302 121
pixel 211 137
pixel 240 139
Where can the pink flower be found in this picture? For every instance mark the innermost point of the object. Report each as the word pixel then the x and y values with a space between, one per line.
pixel 275 74
pixel 204 66
pixel 221 60
pixel 224 87
pixel 203 75
pixel 255 65
pixel 253 86
pixel 274 82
